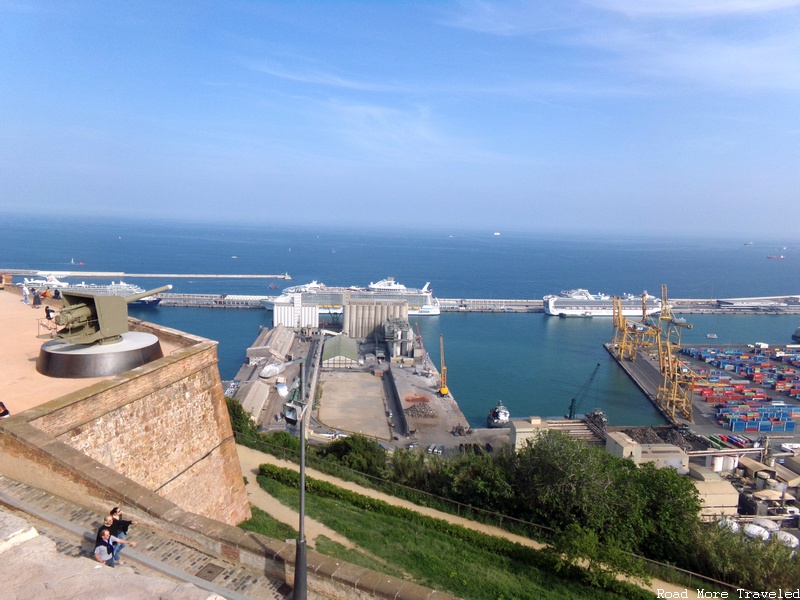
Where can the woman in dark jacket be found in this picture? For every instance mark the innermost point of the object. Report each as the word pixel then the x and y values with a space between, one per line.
pixel 119 529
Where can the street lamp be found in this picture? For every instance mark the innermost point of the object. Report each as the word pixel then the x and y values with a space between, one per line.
pixel 294 411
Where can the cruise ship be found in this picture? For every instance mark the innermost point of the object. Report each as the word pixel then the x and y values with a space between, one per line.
pixel 582 303
pixel 331 299
pixel 115 288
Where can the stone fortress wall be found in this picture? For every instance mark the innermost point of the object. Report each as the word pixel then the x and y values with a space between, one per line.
pixel 163 426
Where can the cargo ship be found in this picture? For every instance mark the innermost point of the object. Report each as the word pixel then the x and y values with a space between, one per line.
pixel 582 303
pixel 51 285
pixel 330 300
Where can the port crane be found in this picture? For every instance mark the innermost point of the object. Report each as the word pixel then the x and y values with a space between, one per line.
pixel 631 336
pixel 573 406
pixel 443 391
pixel 425 369
pixel 677 389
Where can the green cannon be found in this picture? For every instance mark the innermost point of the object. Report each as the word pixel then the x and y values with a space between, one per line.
pixel 90 319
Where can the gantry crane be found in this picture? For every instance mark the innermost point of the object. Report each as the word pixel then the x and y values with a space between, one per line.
pixel 443 391
pixel 677 389
pixel 631 336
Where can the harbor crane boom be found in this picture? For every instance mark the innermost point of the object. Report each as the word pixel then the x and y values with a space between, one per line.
pixel 443 391
pixel 573 406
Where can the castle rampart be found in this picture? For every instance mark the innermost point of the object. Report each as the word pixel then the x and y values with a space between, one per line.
pixel 163 425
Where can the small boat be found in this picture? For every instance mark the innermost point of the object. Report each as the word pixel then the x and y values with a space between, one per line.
pixel 273 286
pixel 776 257
pixel 711 336
pixel 498 416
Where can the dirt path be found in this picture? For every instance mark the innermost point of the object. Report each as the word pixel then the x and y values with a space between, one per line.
pixel 251 459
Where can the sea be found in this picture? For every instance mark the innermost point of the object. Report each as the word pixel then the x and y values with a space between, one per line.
pixel 535 364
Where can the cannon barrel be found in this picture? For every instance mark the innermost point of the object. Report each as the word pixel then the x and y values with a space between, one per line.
pixel 73 314
pixel 145 294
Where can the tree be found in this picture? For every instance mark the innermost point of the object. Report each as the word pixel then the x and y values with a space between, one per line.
pixel 478 481
pixel 244 428
pixel 671 505
pixel 356 452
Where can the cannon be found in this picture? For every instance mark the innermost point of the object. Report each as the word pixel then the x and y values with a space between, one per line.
pixel 90 319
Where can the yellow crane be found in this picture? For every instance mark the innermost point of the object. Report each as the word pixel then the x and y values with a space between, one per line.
pixel 443 391
pixel 677 389
pixel 632 336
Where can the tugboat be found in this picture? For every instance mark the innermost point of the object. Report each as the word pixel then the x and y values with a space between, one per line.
pixel 498 416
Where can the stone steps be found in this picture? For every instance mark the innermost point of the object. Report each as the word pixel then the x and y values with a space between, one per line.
pixel 73 529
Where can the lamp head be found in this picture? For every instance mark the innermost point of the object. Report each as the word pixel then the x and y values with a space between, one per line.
pixel 285 391
pixel 293 412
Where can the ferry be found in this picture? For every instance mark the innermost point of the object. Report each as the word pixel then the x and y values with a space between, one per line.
pixel 331 299
pixel 582 303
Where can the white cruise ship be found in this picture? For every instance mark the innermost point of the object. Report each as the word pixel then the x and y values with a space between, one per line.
pixel 331 299
pixel 115 288
pixel 582 303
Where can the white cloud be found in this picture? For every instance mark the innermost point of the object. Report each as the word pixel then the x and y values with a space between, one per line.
pixel 322 79
pixel 682 9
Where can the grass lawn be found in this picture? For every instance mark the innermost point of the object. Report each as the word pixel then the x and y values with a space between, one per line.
pixel 407 548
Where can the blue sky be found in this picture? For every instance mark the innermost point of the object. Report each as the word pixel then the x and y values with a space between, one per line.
pixel 601 115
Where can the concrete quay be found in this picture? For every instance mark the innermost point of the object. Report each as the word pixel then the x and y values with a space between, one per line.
pixel 394 403
pixel 32 273
pixel 750 306
pixel 646 374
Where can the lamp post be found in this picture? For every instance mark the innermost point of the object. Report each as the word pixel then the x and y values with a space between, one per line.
pixel 294 412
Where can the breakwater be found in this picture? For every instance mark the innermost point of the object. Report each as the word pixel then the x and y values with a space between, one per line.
pixel 762 306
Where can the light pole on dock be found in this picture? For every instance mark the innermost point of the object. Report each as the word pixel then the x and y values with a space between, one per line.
pixel 294 411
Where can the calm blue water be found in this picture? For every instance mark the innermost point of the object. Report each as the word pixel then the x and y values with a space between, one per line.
pixel 534 363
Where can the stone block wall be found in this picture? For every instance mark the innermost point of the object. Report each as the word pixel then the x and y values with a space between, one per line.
pixel 164 426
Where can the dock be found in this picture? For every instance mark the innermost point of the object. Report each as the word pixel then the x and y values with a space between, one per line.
pixel 213 300
pixel 645 373
pixel 762 305
pixel 32 273
pixel 749 306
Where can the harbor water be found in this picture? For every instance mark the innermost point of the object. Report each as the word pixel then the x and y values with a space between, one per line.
pixel 534 363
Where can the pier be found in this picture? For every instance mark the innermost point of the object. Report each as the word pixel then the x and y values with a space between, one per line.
pixel 762 305
pixel 785 305
pixel 32 273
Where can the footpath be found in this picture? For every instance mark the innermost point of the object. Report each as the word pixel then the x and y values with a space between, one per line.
pixel 72 529
pixel 73 572
pixel 251 459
